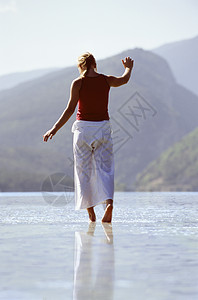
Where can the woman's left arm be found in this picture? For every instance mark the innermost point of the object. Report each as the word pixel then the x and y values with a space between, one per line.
pixel 68 112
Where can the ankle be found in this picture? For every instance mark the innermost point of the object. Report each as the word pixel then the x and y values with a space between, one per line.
pixel 109 201
pixel 90 210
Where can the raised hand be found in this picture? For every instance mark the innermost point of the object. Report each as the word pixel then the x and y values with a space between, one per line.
pixel 128 62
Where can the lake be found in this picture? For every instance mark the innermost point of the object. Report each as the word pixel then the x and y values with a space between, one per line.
pixel 49 251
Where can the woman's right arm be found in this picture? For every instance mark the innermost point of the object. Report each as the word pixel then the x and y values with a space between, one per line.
pixel 118 81
pixel 74 97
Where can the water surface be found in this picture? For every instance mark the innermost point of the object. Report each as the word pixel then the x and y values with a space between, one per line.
pixel 50 251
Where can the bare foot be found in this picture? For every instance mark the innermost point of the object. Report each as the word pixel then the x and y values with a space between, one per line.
pixel 92 216
pixel 108 214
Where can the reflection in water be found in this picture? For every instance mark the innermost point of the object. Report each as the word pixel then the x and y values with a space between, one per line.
pixel 94 264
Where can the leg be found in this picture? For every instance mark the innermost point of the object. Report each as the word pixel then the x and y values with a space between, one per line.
pixel 82 171
pixel 109 201
pixel 92 216
pixel 108 211
pixel 105 166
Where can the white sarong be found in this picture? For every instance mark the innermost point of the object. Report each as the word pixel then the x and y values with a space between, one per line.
pixel 93 163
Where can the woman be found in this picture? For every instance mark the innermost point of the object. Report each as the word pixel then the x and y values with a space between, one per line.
pixel 92 142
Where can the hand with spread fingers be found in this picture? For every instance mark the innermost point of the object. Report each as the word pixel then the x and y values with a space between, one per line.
pixel 49 134
pixel 128 62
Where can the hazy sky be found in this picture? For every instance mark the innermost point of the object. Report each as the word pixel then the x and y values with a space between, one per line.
pixel 38 34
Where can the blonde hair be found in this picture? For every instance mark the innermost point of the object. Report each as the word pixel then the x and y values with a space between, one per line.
pixel 85 61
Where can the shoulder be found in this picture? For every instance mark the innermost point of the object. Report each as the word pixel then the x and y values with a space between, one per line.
pixel 106 77
pixel 114 81
pixel 76 83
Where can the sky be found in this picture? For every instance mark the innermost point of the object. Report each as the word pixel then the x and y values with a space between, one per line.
pixel 38 34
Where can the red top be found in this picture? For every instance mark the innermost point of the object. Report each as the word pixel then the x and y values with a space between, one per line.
pixel 93 99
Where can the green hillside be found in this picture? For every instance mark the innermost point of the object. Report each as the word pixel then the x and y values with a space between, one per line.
pixel 175 170
pixel 31 108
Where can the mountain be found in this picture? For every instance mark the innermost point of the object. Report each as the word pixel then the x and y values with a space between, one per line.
pixel 10 80
pixel 148 115
pixel 175 170
pixel 183 59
